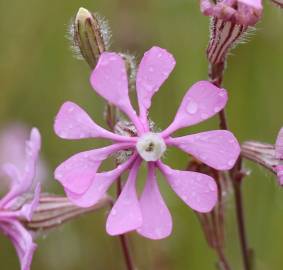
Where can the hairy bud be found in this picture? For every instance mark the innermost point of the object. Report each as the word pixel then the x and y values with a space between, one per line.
pixel 90 35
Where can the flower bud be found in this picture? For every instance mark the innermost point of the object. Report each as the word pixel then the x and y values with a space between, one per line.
pixel 91 36
pixel 230 20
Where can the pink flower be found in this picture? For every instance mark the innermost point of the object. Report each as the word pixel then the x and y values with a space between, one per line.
pixel 148 213
pixel 279 156
pixel 19 203
pixel 242 12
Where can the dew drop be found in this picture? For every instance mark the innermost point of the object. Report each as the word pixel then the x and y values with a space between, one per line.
pixel 204 116
pixel 231 162
pixel 192 107
pixel 217 109
pixel 212 186
pixel 71 109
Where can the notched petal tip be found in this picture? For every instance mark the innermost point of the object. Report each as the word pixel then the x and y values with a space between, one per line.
pixel 202 101
pixel 157 220
pixel 72 122
pixel 218 149
pixel 197 190
pixel 155 67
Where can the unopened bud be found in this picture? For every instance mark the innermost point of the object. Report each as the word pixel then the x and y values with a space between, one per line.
pixel 91 36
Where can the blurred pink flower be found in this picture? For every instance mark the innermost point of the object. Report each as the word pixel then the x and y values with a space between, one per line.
pixel 19 203
pixel 12 150
pixel 279 156
pixel 241 12
pixel 148 214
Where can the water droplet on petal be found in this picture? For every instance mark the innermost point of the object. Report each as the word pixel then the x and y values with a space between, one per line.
pixel 192 107
pixel 204 116
pixel 212 186
pixel 231 162
pixel 217 109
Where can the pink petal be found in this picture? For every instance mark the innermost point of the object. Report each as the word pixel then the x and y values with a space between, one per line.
pixel 100 185
pixel 72 122
pixel 218 149
pixel 157 221
pixel 77 173
pixel 155 67
pixel 197 190
pixel 279 145
pixel 279 170
pixel 22 182
pixel 22 241
pixel 252 3
pixel 202 101
pixel 109 80
pixel 126 214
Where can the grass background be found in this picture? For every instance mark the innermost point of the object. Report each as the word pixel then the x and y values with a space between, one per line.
pixel 38 73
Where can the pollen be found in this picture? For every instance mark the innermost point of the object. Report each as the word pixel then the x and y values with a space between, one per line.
pixel 151 146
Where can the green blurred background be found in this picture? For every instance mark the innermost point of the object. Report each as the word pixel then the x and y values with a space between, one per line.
pixel 38 73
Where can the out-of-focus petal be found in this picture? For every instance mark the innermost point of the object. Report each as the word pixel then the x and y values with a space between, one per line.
pixel 126 213
pixel 72 122
pixel 155 67
pixel 157 221
pixel 77 173
pixel 279 145
pixel 22 182
pixel 218 149
pixel 197 190
pixel 28 208
pixel 109 80
pixel 99 186
pixel 279 170
pixel 202 101
pixel 22 241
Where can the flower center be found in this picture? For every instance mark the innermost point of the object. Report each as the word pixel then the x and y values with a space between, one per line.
pixel 151 146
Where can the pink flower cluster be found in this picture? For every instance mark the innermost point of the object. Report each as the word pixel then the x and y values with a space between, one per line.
pixel 147 213
pixel 19 203
pixel 242 12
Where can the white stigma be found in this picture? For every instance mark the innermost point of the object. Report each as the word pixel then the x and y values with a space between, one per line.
pixel 151 146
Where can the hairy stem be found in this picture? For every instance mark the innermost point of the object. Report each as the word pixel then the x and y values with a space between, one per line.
pixel 236 175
